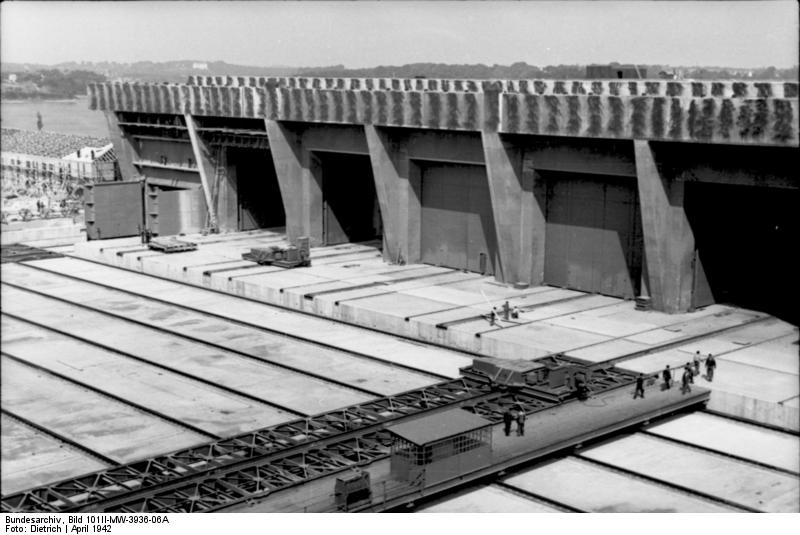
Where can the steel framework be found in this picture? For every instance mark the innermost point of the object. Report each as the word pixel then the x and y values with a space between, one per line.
pixel 225 472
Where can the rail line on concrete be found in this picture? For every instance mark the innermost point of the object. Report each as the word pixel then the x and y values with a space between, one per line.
pixel 668 484
pixel 456 351
pixel 233 471
pixel 537 497
pixel 131 356
pixel 678 343
pixel 714 451
pixel 465 352
pixel 258 326
pixel 197 340
pixel 260 448
pixel 59 437
pixel 105 393
pixel 765 425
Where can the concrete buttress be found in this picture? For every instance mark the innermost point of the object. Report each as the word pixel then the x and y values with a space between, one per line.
pixel 205 166
pixel 397 185
pixel 124 148
pixel 299 183
pixel 519 219
pixel 668 238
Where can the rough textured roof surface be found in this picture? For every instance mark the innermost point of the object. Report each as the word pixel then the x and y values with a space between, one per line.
pixel 49 144
pixel 438 426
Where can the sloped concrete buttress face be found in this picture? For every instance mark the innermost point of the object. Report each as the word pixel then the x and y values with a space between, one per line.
pixel 668 238
pixel 519 219
pixel 300 188
pixel 396 183
pixel 124 149
pixel 205 166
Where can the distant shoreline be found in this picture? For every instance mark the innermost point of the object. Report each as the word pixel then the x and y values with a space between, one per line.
pixel 33 100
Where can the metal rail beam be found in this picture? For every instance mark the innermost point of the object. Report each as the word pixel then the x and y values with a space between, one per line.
pixel 155 364
pixel 668 484
pixel 538 497
pixel 196 340
pixel 765 425
pixel 257 448
pixel 61 438
pixel 115 397
pixel 276 306
pixel 258 326
pixel 720 453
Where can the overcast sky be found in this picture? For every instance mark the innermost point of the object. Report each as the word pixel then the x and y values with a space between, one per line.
pixel 362 34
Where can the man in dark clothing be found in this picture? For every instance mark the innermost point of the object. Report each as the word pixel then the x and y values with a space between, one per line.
pixel 639 387
pixel 667 375
pixel 520 422
pixel 696 363
pixel 507 419
pixel 711 365
pixel 688 369
pixel 686 380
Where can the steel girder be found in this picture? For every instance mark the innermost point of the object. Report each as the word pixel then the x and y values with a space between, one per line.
pixel 235 486
pixel 90 491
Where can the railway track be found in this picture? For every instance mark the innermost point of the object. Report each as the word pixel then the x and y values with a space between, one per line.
pixel 231 470
pixel 576 505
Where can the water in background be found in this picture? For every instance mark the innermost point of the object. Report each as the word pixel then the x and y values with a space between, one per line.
pixel 67 116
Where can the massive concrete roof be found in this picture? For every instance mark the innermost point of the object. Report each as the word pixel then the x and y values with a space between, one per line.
pixel 726 112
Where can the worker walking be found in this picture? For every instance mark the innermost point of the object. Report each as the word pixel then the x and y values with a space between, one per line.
pixel 696 363
pixel 667 375
pixel 711 365
pixel 639 387
pixel 688 369
pixel 520 422
pixel 507 419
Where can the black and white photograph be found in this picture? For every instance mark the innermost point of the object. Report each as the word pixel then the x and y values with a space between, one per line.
pixel 399 257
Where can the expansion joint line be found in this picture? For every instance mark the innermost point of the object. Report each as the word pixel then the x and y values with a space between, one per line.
pixel 718 453
pixel 155 364
pixel 109 395
pixel 667 484
pixel 282 308
pixel 195 340
pixel 61 438
pixel 273 331
pixel 538 497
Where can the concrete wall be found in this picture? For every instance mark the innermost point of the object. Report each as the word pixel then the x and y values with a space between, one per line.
pixel 763 113
pixel 515 129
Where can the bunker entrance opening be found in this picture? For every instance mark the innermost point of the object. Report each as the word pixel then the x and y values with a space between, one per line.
pixel 457 228
pixel 745 237
pixel 259 202
pixel 593 234
pixel 351 212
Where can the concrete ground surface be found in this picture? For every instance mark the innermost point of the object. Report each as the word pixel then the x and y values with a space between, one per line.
pixel 194 363
pixel 350 282
pixel 489 499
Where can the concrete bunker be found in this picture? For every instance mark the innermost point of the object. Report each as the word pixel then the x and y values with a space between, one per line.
pixel 350 208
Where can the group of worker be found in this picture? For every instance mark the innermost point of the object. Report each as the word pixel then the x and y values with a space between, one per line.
pixel 690 371
pixel 509 417
pixel 506 310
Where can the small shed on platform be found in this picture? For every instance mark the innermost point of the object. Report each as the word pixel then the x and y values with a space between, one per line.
pixel 441 446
